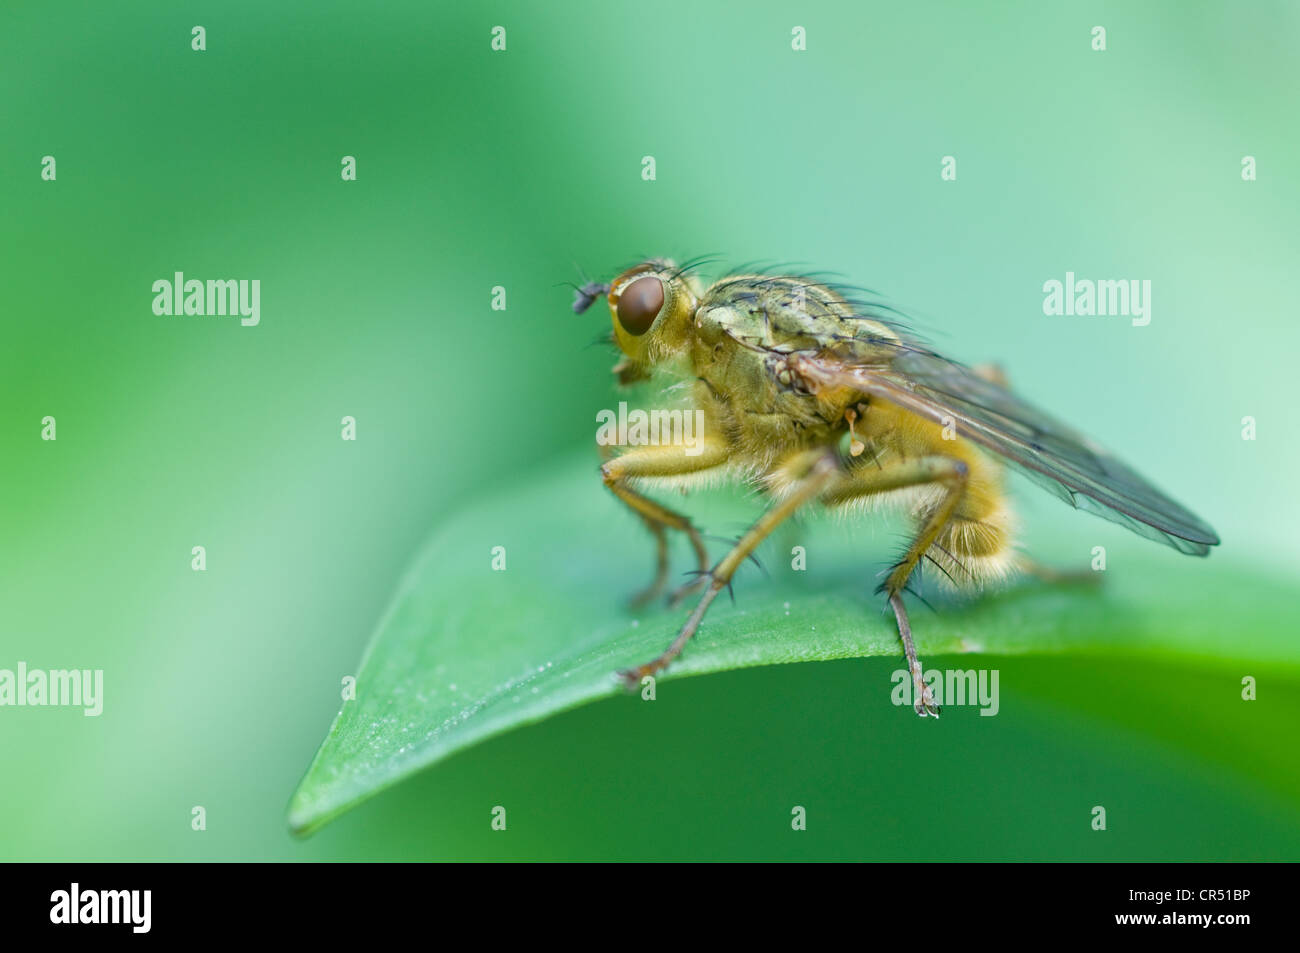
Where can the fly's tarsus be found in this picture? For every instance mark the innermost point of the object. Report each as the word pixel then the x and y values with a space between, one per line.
pixel 924 697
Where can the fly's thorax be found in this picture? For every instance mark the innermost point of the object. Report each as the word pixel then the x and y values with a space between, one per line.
pixel 736 375
pixel 652 306
pixel 747 327
pixel 764 416
pixel 789 313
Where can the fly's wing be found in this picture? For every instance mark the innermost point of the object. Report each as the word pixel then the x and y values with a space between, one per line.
pixel 1055 456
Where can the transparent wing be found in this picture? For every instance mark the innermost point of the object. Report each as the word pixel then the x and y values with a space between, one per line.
pixel 1055 456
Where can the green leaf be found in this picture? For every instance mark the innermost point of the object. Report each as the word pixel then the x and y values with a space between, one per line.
pixel 465 652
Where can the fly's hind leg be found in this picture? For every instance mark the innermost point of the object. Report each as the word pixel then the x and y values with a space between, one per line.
pixel 944 472
pixel 1077 577
pixel 661 461
pixel 819 472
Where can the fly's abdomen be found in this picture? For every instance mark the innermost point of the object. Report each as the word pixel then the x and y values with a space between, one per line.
pixel 977 545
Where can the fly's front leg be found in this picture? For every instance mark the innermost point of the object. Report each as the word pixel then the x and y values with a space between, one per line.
pixel 866 481
pixel 662 461
pixel 814 482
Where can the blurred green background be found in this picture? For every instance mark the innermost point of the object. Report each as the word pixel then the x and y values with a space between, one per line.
pixel 478 169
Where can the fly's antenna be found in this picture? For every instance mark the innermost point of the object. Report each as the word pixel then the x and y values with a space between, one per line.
pixel 585 296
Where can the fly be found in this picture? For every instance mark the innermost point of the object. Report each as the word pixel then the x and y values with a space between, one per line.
pixel 818 398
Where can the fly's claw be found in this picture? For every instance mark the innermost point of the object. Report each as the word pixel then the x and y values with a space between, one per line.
pixel 631 677
pixel 926 705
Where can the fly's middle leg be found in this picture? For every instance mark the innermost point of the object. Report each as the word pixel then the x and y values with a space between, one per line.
pixel 820 473
pixel 952 476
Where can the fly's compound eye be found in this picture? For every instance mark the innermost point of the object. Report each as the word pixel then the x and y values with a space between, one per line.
pixel 639 305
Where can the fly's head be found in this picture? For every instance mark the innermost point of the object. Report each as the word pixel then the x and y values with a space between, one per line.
pixel 652 306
